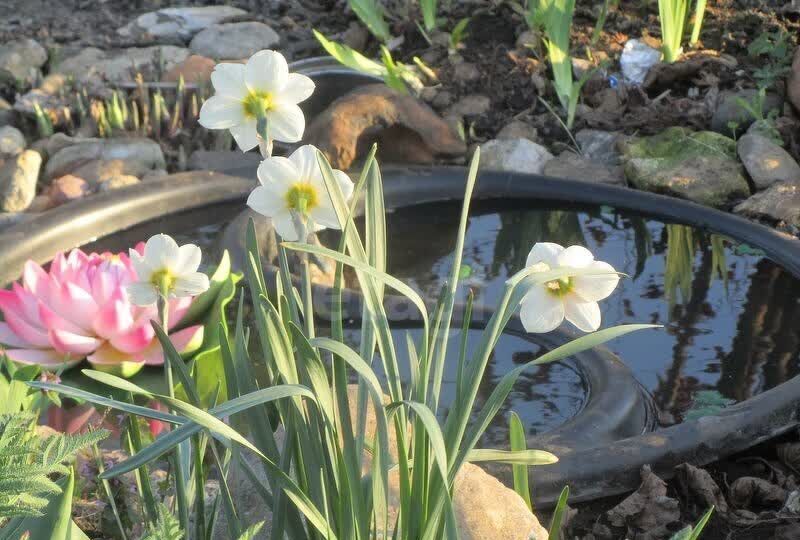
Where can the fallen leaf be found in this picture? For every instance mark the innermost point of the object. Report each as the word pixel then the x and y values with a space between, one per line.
pixel 699 483
pixel 749 491
pixel 648 508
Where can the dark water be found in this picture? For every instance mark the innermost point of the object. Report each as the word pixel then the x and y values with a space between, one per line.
pixel 730 314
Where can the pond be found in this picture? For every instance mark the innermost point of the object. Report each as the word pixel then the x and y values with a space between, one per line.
pixel 729 312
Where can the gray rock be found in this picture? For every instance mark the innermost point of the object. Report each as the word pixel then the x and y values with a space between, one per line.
pixel 466 72
pixel 7 114
pixel 96 159
pixel 179 22
pixel 18 178
pixel 766 162
pixel 471 105
pixel 20 61
pixel 571 165
pixel 517 155
pixel 730 111
pixel 600 146
pixel 12 141
pixel 224 161
pixel 50 96
pixel 779 203
pixel 517 129
pixel 234 41
pixel 92 65
pixel 699 166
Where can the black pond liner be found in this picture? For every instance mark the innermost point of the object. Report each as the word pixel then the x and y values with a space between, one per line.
pixel 593 469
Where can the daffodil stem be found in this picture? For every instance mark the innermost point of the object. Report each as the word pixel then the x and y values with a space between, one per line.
pixel 301 225
pixel 177 458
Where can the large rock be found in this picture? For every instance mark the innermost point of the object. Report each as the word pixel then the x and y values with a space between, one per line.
pixel 195 69
pixel 405 129
pixel 7 114
pixel 730 112
pixel 766 162
pixel 571 165
pixel 234 41
pixel 793 81
pixel 12 141
pixel 699 166
pixel 50 96
pixel 779 203
pixel 179 23
pixel 97 159
pixel 515 155
pixel 600 146
pixel 18 178
pixel 20 62
pixel 91 66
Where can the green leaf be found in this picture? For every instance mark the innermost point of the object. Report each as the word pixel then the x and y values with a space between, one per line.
pixel 554 533
pixel 371 14
pixel 351 58
pixel 513 457
pixel 518 442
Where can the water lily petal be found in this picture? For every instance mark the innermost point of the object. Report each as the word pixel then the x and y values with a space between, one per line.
pixel 110 360
pixel 188 340
pixel 228 81
pixel 298 88
pixel 34 335
pixel 47 358
pixel 595 288
pixel 541 311
pixel 135 340
pixel 219 112
pixel 113 319
pixel 544 252
pixel 190 284
pixel 70 343
pixel 177 309
pixel 575 257
pixel 142 294
pixel 584 315
pixel 266 71
pixel 286 122
pixel 36 279
pixel 245 135
pixel 10 339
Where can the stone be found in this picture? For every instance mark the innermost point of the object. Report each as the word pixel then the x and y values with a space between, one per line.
pixel 471 105
pixel 636 60
pixel 793 81
pixel 571 165
pixel 466 72
pixel 92 66
pixel 234 41
pixel 50 96
pixel 116 182
pixel 12 141
pixel 356 36
pixel 179 22
pixel 730 111
pixel 412 131
pixel 96 159
pixel 18 177
pixel 195 69
pixel 600 146
pixel 527 39
pixel 65 189
pixel 766 162
pixel 698 166
pixel 514 155
pixel 223 161
pixel 779 203
pixel 517 129
pixel 7 114
pixel 20 62
pixel 442 100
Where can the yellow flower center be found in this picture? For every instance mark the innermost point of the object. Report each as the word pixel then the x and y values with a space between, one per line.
pixel 301 197
pixel 163 280
pixel 559 287
pixel 256 103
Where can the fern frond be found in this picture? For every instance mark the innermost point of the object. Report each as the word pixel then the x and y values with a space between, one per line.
pixel 167 528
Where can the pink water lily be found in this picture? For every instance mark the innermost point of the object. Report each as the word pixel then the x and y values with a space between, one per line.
pixel 80 309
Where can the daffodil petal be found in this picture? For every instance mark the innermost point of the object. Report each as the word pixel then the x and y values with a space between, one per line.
pixel 245 135
pixel 190 284
pixel 286 123
pixel 161 250
pixel 596 288
pixel 305 162
pixel 221 112
pixel 298 88
pixel 228 81
pixel 266 201
pixel 575 257
pixel 584 315
pixel 544 252
pixel 266 71
pixel 541 311
pixel 140 265
pixel 282 221
pixel 142 293
pixel 280 172
pixel 188 260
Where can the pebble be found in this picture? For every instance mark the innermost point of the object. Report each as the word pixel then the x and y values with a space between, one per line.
pixel 234 41
pixel 18 177
pixel 516 155
pixel 12 141
pixel 766 162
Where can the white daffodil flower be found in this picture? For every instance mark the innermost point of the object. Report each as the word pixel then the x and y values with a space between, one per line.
pixel 575 298
pixel 294 185
pixel 262 86
pixel 166 268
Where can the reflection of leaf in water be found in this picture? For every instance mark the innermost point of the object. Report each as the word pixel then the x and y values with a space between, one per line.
pixel 465 271
pixel 678 267
pixel 744 249
pixel 644 243
pixel 718 265
pixel 520 230
pixel 705 403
